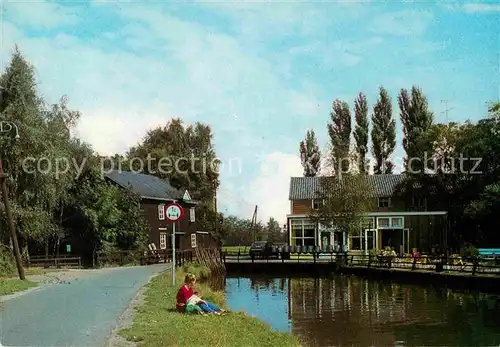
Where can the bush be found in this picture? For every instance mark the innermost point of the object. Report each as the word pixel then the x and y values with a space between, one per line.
pixel 469 252
pixel 7 263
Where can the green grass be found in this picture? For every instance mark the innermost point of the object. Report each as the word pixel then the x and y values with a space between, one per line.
pixel 242 249
pixel 11 285
pixel 156 323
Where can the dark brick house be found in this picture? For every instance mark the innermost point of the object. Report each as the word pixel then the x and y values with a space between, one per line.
pixel 394 222
pixel 155 193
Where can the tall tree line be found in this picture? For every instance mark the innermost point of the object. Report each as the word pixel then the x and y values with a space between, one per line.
pixel 78 207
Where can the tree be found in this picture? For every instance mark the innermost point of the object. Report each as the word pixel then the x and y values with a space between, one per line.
pixel 361 131
pixel 339 131
pixel 51 198
pixel 185 157
pixel 383 133
pixel 416 119
pixel 346 199
pixel 310 154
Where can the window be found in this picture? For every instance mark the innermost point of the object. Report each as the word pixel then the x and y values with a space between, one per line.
pixel 191 215
pixel 390 222
pixel 303 233
pixel 383 222
pixel 163 240
pixel 355 242
pixel 397 222
pixel 193 240
pixel 384 202
pixel 317 204
pixel 161 212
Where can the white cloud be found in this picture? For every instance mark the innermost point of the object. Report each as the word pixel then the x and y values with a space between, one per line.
pixel 271 187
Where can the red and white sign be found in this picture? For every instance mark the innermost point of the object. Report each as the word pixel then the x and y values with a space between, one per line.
pixel 174 212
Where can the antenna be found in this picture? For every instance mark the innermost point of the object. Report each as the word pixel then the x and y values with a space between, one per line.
pixel 446 109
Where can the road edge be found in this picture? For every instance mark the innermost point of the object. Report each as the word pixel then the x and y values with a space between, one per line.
pixel 126 319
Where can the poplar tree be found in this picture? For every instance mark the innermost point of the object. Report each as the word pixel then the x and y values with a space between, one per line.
pixel 416 119
pixel 310 154
pixel 383 133
pixel 361 131
pixel 339 130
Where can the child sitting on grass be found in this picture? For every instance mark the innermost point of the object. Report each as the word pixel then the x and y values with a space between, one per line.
pixel 205 306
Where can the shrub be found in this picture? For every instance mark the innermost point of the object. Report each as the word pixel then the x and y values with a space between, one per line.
pixel 469 252
pixel 7 264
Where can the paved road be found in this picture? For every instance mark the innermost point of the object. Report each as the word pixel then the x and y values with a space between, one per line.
pixel 78 312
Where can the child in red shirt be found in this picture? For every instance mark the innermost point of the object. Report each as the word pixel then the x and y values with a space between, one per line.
pixel 185 292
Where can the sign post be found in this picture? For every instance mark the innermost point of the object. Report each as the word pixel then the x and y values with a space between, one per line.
pixel 173 213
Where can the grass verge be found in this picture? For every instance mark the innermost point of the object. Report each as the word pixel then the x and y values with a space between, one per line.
pixel 235 249
pixel 156 323
pixel 11 285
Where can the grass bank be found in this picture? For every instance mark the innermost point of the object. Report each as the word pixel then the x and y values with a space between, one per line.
pixel 8 283
pixel 11 285
pixel 156 323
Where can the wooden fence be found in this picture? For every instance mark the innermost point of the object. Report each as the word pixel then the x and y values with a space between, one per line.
pixel 66 261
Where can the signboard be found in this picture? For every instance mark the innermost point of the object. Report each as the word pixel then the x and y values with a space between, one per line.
pixel 174 212
pixel 68 248
pixel 193 240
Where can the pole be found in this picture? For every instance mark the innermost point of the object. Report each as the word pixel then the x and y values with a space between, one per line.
pixel 17 254
pixel 173 254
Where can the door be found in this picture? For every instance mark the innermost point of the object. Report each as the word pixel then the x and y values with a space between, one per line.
pixel 325 239
pixel 370 239
pixel 406 240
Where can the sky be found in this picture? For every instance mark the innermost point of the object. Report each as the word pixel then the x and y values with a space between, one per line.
pixel 260 73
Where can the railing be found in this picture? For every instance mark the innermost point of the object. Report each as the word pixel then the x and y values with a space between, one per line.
pixel 58 262
pixel 473 266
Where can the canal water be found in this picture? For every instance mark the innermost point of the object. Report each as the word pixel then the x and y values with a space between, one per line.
pixel 349 310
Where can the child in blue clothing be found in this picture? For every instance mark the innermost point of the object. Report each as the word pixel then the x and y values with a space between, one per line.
pixel 206 306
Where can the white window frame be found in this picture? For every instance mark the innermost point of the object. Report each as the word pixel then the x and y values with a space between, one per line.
pixel 194 241
pixel 384 227
pixel 161 212
pixel 388 199
pixel 401 224
pixel 163 240
pixel 302 223
pixel 192 217
pixel 391 225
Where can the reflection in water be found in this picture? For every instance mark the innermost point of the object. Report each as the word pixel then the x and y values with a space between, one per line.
pixel 348 310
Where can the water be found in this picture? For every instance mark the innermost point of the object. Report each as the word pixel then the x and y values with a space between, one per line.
pixel 348 310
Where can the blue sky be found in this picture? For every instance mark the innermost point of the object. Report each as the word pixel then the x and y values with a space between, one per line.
pixel 260 73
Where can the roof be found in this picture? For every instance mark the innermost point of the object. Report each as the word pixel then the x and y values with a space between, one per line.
pixel 147 186
pixel 304 188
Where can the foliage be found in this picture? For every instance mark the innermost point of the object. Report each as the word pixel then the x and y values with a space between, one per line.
pixel 7 264
pixel 346 199
pixel 464 180
pixel 361 131
pixel 339 130
pixel 310 154
pixel 185 157
pixel 416 119
pixel 383 133
pixel 469 252
pixel 48 201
